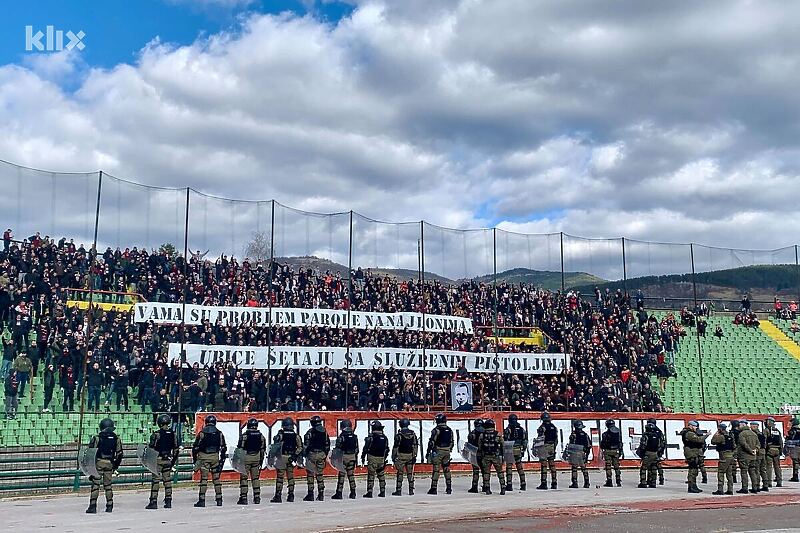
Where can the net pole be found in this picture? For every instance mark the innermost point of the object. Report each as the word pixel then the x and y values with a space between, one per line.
pixel 624 269
pixel 494 320
pixel 561 236
pixel 349 308
pixel 797 269
pixel 184 296
pixel 269 296
pixel 697 332
pixel 90 309
pixel 424 309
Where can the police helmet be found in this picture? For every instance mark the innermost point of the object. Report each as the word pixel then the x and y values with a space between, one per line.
pixel 376 425
pixel 545 417
pixel 488 423
pixel 651 421
pixel 316 421
pixel 734 424
pixel 405 422
pixel 769 421
pixel 609 424
pixel 252 423
pixel 163 420
pixel 107 425
pixel 478 423
pixel 577 424
pixel 287 423
pixel 512 418
pixel 441 418
pixel 722 425
pixel 795 422
pixel 211 420
pixel 693 423
pixel 345 424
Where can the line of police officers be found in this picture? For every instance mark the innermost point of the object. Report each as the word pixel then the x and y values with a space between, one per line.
pixel 757 455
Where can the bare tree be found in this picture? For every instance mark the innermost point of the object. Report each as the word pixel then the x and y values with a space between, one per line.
pixel 259 247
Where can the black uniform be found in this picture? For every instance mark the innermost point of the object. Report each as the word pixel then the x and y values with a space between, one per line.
pixel 611 446
pixel 473 437
pixel 209 451
pixel 516 434
pixel 581 438
pixel 165 442
pixel 347 442
pixel 376 450
pixel 254 444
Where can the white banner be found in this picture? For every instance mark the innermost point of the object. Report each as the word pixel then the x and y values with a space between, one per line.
pixel 169 313
pixel 258 357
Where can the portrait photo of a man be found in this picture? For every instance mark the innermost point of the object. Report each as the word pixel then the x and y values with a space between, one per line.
pixel 461 394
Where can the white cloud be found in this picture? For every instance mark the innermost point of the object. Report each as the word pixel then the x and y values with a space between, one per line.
pixel 665 122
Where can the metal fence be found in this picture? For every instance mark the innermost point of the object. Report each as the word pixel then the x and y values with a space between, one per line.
pixel 100 210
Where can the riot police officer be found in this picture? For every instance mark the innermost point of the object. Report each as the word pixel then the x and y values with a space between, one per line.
pixel 254 444
pixel 748 452
pixel 490 448
pixel 693 443
pixel 516 433
pixel 761 458
pixel 316 445
pixel 611 446
pixel 374 454
pixel 581 438
pixel 548 457
pixel 165 443
pixel 209 452
pixel 774 446
pixel 735 430
pixel 725 443
pixel 440 445
pixel 473 437
pixel 661 450
pixel 347 442
pixel 290 446
pixel 109 457
pixel 794 435
pixel 404 456
pixel 651 446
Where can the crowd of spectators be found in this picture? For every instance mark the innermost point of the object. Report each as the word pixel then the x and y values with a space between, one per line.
pixel 615 346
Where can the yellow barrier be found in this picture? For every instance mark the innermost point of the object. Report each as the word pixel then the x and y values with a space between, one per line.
pixel 105 306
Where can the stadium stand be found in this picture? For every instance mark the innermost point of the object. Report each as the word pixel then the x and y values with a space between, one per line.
pixel 744 371
pixel 617 349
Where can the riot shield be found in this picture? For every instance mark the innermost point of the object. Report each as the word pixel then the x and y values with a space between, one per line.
pixel 537 449
pixel 273 453
pixel 791 448
pixel 87 461
pixel 336 460
pixel 237 461
pixel 508 452
pixel 310 466
pixel 573 454
pixel 636 439
pixel 148 457
pixel 470 453
pixel 274 462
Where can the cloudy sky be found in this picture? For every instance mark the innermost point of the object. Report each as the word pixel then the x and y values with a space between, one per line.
pixel 669 121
